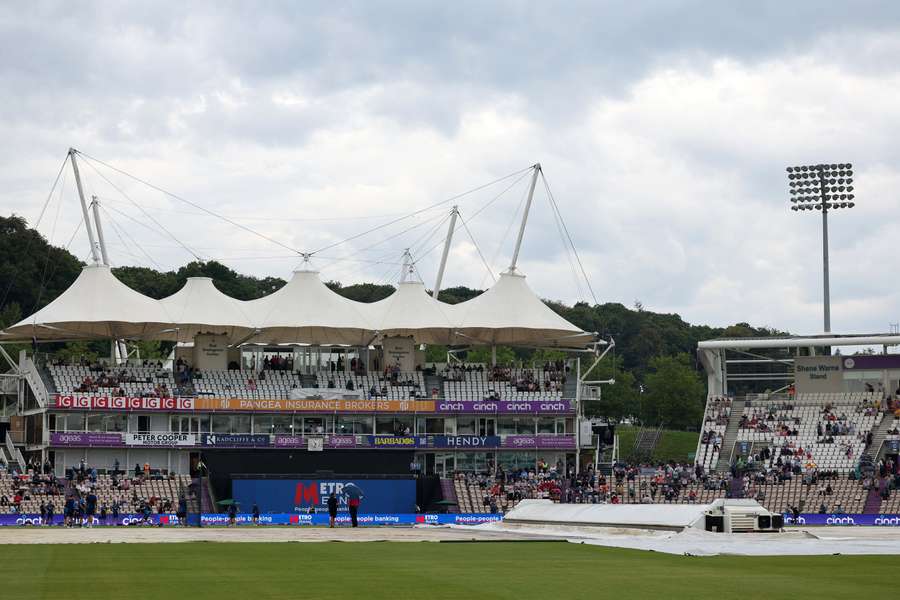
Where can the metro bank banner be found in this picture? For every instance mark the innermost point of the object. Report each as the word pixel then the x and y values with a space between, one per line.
pixel 301 495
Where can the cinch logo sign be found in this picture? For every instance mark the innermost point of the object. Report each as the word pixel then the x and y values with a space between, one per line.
pixel 840 521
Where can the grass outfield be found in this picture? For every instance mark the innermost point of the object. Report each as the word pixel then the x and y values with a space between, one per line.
pixel 424 571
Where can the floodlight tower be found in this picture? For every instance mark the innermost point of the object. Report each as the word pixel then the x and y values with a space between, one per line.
pixel 822 187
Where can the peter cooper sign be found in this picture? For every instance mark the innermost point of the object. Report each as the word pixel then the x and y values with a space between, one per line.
pixel 160 439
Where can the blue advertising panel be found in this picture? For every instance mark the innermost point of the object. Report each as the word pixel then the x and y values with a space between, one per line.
pixel 220 519
pixel 299 495
pixel 235 440
pixel 467 441
pixel 833 520
pixel 213 519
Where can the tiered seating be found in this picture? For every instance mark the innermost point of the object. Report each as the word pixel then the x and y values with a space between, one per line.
pixel 502 384
pixel 472 491
pixel 32 494
pixel 400 386
pixel 893 430
pixel 802 425
pixel 892 504
pixel 133 492
pixel 137 380
pixel 245 384
pixel 274 384
pixel 776 496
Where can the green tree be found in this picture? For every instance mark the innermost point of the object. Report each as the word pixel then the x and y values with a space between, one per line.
pixel 32 272
pixel 362 292
pixel 674 394
pixel 482 354
pixel 617 400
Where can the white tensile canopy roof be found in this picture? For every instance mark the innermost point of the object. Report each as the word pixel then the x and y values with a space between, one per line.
pixel 306 310
pixel 199 307
pixel 509 313
pixel 410 311
pixel 96 305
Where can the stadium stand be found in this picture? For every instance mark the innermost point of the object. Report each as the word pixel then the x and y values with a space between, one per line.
pixel 468 382
pixel 26 493
pixel 825 431
pixel 484 493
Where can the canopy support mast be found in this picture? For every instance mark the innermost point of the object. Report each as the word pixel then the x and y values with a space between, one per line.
pixel 515 258
pixel 87 218
pixel 406 269
pixel 454 212
pixel 119 348
pixel 95 205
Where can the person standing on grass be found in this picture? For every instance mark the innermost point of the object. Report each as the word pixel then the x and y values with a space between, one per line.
pixel 182 510
pixel 232 514
pixel 354 495
pixel 255 514
pixel 332 509
pixel 50 509
pixel 91 508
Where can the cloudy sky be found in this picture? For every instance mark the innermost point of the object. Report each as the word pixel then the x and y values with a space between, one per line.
pixel 663 129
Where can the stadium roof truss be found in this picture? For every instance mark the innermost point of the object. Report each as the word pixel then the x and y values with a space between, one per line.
pixel 768 362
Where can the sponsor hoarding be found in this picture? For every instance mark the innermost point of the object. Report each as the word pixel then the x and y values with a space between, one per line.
pixel 214 519
pixel 299 495
pixel 466 441
pixel 122 403
pixel 563 442
pixel 234 440
pixel 842 520
pixel 330 442
pixel 505 406
pixel 325 404
pixel 160 439
pixel 321 405
pixel 77 439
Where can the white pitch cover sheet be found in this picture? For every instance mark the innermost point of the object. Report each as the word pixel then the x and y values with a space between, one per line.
pixel 573 522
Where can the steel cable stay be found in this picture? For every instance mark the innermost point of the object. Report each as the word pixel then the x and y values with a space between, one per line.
pixel 568 236
pixel 119 231
pixel 462 224
pixel 143 212
pixel 272 240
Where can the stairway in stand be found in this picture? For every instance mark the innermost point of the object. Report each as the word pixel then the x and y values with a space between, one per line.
pixel 879 432
pixel 448 491
pixel 873 501
pixel 730 437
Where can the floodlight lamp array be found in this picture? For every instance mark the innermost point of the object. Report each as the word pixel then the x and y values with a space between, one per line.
pixel 821 187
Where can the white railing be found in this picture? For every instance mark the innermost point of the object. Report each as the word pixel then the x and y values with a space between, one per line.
pixel 33 377
pixel 702 427
pixel 14 453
